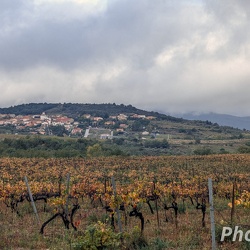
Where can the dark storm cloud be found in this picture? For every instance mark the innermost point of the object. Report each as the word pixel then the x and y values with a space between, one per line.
pixel 133 30
pixel 167 55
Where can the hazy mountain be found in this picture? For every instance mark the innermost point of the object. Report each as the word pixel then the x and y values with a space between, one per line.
pixel 221 119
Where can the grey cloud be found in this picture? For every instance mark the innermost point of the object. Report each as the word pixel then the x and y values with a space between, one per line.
pixel 234 17
pixel 162 55
pixel 133 30
pixel 13 5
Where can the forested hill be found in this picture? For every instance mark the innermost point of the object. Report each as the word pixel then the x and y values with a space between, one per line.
pixel 76 109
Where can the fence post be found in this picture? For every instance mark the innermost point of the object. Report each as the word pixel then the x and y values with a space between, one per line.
pixel 31 199
pixel 233 203
pixel 210 189
pixel 117 208
pixel 67 193
pixel 156 204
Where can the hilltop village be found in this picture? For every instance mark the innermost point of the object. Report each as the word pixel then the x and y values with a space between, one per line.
pixel 61 125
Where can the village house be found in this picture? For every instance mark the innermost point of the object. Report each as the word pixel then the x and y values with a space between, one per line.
pixel 45 124
pixel 150 117
pixel 41 131
pixel 43 116
pixel 12 121
pixel 105 136
pixel 20 127
pixel 87 116
pixel 4 116
pixel 26 118
pixel 119 130
pixel 76 131
pixel 123 125
pixel 135 116
pixel 29 124
pixel 97 118
pixel 121 117
pixel 68 127
pixel 109 123
pixel 61 121
pixel 8 122
pixel 141 116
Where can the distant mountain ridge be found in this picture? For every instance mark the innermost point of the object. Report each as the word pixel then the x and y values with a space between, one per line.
pixel 221 119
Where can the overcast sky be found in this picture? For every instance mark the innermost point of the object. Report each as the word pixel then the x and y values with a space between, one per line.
pixel 162 55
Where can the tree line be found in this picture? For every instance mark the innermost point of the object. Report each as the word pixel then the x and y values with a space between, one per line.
pixel 47 147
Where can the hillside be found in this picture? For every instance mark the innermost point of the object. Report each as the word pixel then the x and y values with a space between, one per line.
pixel 117 129
pixel 76 110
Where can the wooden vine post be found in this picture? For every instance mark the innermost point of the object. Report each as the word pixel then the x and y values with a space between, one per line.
pixel 67 193
pixel 156 203
pixel 117 208
pixel 210 189
pixel 32 200
pixel 233 203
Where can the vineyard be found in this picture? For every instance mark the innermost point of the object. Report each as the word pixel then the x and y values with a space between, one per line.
pixel 122 202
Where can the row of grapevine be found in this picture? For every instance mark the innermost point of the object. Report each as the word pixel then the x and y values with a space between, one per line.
pixel 154 184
